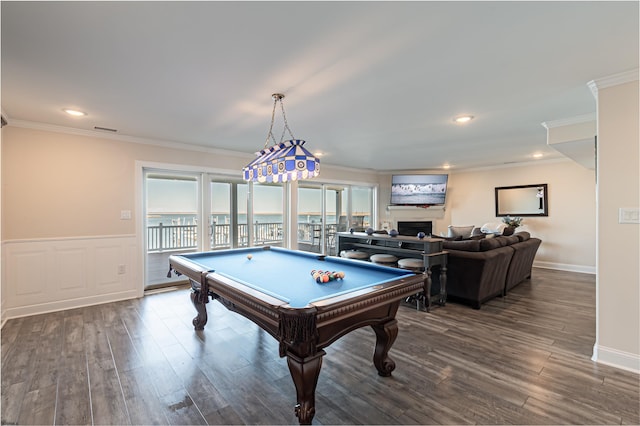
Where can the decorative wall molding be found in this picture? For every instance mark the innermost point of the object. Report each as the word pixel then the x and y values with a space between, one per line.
pixel 612 80
pixel 54 274
pixel 579 119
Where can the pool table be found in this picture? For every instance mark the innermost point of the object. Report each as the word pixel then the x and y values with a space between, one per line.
pixel 273 287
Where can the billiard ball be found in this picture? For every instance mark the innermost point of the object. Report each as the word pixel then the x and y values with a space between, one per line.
pixel 249 256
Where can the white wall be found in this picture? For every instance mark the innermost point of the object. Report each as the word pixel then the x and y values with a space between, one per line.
pixel 567 234
pixel 618 279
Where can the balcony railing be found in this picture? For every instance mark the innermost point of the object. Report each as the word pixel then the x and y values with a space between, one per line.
pixel 178 237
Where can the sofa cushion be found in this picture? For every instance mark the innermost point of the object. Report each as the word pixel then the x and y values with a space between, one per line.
pixel 478 237
pixel 522 235
pixel 489 243
pixel 502 240
pixel 512 239
pixel 465 245
pixel 460 231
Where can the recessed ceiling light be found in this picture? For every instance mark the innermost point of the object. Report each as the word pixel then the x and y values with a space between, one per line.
pixel 74 112
pixel 537 155
pixel 318 154
pixel 462 119
pixel 446 166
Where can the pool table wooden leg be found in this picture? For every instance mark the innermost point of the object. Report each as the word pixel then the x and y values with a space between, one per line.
pixel 305 372
pixel 386 334
pixel 201 319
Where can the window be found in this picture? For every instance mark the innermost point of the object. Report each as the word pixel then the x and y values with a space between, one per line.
pixel 324 209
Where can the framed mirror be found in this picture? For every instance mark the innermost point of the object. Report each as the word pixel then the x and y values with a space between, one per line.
pixel 522 200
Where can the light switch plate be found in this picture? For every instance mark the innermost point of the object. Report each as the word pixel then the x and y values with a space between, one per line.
pixel 125 214
pixel 629 215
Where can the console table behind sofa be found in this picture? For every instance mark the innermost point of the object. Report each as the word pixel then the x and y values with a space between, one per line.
pixel 428 249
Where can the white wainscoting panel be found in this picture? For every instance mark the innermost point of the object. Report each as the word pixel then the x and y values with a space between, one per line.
pixel 54 274
pixel 74 280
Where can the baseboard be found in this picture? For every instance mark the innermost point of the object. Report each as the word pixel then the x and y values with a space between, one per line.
pixel 584 269
pixel 615 358
pixel 81 302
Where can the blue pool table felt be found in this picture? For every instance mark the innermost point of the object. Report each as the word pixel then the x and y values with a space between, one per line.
pixel 286 274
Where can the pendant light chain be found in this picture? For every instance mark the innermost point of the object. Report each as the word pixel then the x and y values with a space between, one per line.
pixel 278 97
pixel 273 116
pixel 286 125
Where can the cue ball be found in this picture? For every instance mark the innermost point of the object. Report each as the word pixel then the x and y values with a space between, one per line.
pixel 249 256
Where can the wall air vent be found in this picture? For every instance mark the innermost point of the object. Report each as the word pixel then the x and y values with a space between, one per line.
pixel 105 129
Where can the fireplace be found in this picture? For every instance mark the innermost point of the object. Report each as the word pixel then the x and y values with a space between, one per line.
pixel 412 228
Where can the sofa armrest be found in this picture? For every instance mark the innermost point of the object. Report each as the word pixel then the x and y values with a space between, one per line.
pixel 522 262
pixel 476 277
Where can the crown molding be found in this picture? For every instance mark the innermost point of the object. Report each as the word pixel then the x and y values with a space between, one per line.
pixel 612 80
pixel 455 170
pixel 123 138
pixel 162 143
pixel 579 119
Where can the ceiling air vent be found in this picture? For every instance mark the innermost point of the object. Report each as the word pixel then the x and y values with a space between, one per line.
pixel 105 129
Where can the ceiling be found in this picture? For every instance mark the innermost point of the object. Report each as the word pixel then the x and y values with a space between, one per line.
pixel 373 85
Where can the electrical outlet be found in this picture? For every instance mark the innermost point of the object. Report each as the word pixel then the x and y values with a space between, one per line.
pixel 125 214
pixel 122 269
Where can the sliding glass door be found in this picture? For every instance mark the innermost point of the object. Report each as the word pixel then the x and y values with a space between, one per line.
pixel 268 215
pixel 324 209
pixel 171 221
pixel 310 217
pixel 233 207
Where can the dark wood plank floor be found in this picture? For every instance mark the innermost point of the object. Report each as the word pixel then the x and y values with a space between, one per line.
pixel 524 359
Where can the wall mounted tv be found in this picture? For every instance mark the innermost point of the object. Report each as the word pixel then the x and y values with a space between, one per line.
pixel 419 190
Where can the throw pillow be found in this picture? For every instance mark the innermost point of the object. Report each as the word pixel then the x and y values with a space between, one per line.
pixel 460 231
pixel 476 232
pixel 493 228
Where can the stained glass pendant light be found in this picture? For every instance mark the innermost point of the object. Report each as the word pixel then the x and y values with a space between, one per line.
pixel 283 161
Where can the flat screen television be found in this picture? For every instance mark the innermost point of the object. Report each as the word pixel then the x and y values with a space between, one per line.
pixel 419 190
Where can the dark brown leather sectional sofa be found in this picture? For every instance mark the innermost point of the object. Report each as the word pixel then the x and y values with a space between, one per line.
pixel 481 269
